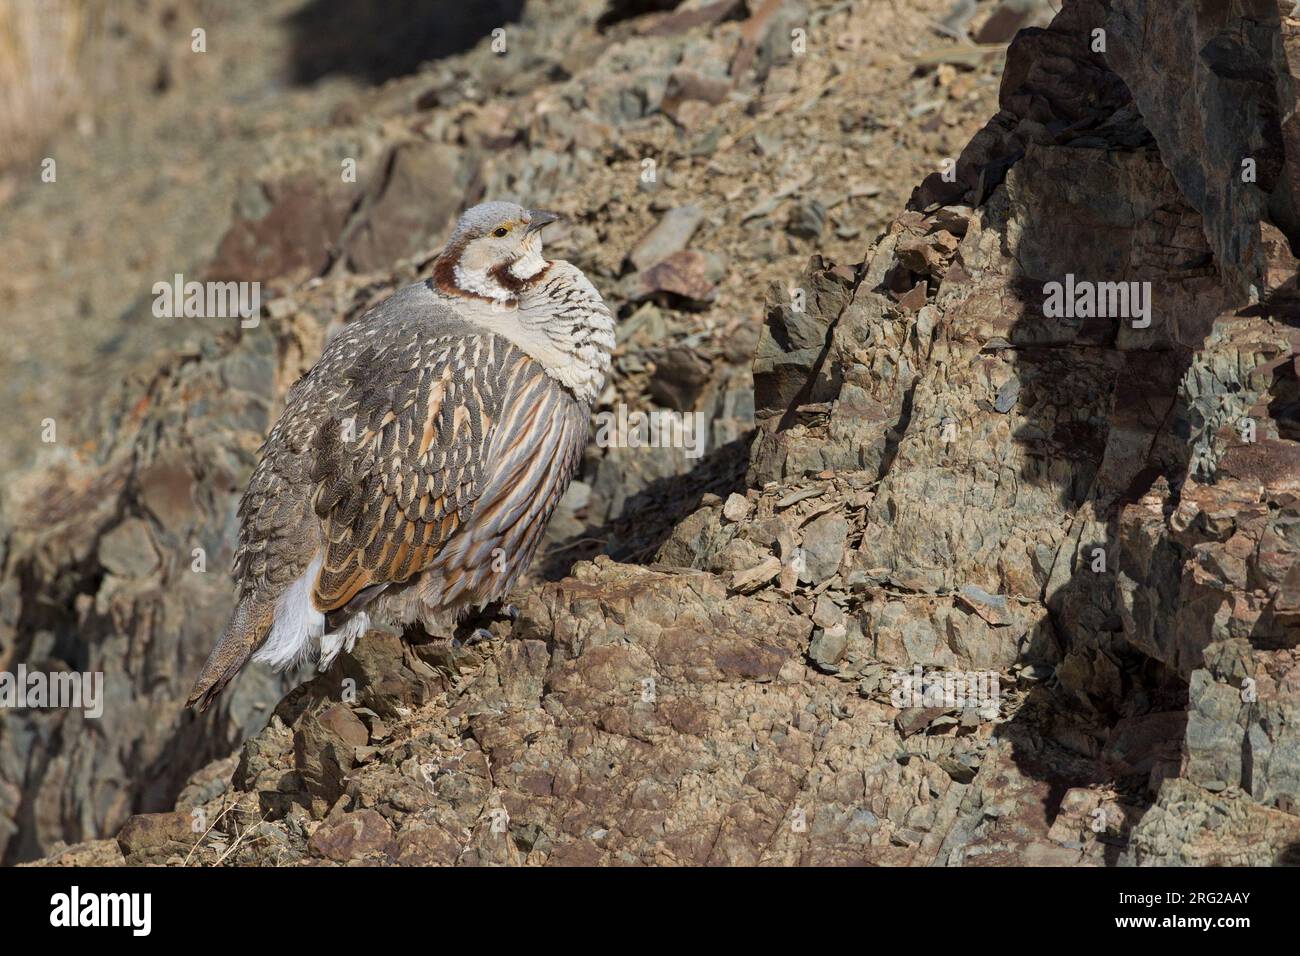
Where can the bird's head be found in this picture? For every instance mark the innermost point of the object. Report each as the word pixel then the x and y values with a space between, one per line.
pixel 494 252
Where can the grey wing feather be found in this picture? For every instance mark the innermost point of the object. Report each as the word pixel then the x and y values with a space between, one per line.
pixel 369 370
pixel 535 452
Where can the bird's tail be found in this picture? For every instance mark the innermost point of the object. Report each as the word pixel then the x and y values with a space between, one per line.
pixel 247 629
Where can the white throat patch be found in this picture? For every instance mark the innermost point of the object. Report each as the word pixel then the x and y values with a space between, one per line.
pixel 480 282
pixel 530 264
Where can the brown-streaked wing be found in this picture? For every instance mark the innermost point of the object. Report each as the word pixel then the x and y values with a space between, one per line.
pixel 399 473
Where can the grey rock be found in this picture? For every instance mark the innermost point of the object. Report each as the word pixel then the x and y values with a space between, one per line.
pixel 828 646
pixel 1007 396
pixel 679 379
pixel 672 234
pixel 823 547
pixel 807 219
pixel 128 550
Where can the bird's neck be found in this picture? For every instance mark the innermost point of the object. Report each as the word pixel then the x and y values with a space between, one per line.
pixel 565 309
pixel 556 316
pixel 456 273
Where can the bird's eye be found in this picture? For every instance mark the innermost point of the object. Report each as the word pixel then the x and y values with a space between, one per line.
pixel 500 232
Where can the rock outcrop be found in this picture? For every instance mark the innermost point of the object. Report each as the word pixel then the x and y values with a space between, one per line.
pixel 1086 519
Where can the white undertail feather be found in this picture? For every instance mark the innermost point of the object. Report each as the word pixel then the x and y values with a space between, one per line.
pixel 298 633
pixel 344 639
pixel 298 625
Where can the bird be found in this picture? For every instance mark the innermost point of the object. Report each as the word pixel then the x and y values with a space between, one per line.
pixel 414 468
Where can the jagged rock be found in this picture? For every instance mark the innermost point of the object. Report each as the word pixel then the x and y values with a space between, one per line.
pixel 752 578
pixel 807 219
pixel 736 507
pixel 284 229
pixel 395 217
pixel 823 548
pixel 671 234
pixel 354 836
pixel 1187 826
pixel 156 837
pixel 787 364
pixel 687 276
pixel 1228 55
pixel 828 647
pixel 679 379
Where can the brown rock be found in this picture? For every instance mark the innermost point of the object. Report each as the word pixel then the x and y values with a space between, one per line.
pixel 426 846
pixel 688 276
pixel 355 836
pixel 344 724
pixel 150 831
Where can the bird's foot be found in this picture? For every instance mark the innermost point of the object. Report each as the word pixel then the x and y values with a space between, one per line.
pixel 475 636
pixel 504 609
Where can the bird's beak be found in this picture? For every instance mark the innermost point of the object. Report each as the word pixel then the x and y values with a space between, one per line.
pixel 540 218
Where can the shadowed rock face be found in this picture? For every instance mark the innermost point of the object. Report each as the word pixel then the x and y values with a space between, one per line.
pixel 1096 522
pixel 380 41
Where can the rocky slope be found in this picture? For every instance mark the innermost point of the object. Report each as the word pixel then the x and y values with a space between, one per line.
pixel 145 175
pixel 1101 517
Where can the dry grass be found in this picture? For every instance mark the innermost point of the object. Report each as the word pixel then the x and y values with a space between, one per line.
pixel 44 70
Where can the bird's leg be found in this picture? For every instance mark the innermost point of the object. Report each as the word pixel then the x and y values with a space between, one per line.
pixel 496 610
pixel 505 609
pixel 475 636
